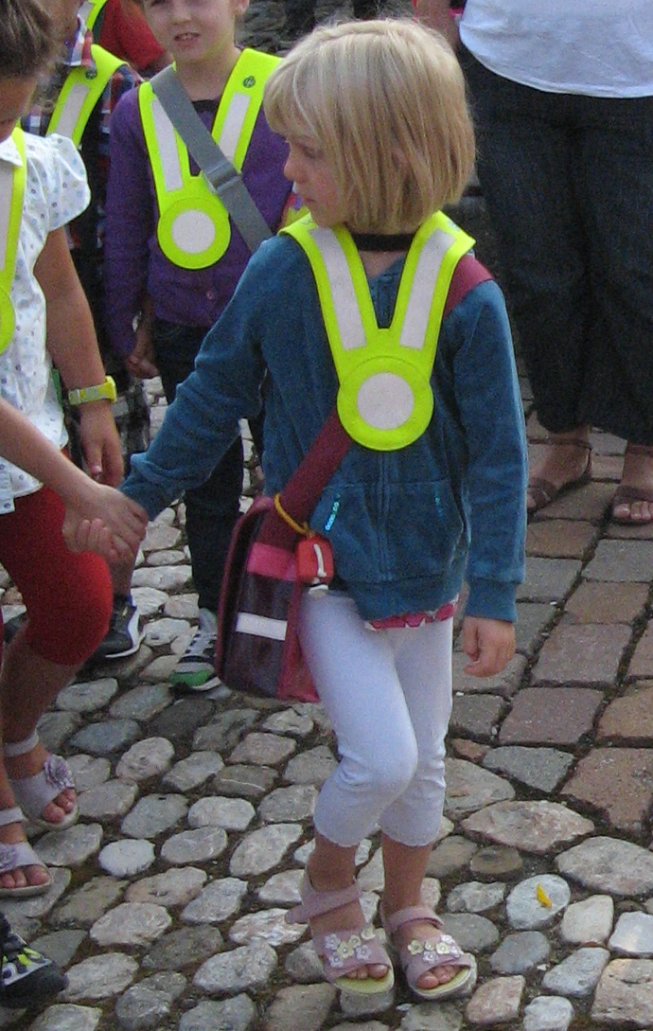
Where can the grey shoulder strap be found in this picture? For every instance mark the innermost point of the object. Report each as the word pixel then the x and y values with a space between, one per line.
pixel 218 170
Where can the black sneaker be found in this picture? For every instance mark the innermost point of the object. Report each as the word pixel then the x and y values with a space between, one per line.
pixel 27 978
pixel 124 635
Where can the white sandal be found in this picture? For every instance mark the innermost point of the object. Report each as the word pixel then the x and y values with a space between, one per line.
pixel 34 793
pixel 20 853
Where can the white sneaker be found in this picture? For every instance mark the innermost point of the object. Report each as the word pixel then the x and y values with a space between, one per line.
pixel 196 669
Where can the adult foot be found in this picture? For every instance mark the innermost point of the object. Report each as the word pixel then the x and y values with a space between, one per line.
pixel 633 500
pixel 566 463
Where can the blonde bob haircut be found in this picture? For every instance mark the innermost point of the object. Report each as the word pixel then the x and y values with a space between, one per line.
pixel 385 102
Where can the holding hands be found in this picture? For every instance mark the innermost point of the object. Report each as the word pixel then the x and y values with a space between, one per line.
pixel 101 519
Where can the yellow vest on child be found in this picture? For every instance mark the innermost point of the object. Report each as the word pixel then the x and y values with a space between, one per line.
pixel 193 228
pixel 12 195
pixel 385 400
pixel 91 10
pixel 81 92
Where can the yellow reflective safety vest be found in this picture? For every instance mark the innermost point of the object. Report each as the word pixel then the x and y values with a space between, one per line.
pixel 193 228
pixel 91 10
pixel 385 400
pixel 81 92
pixel 12 196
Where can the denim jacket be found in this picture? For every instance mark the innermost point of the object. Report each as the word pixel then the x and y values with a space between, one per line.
pixel 406 526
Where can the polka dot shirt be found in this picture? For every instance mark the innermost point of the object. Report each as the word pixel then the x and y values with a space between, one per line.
pixel 55 192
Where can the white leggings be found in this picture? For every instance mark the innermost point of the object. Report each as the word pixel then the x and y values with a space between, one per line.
pixel 388 696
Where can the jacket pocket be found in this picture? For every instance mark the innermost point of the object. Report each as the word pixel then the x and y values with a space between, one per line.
pixel 398 532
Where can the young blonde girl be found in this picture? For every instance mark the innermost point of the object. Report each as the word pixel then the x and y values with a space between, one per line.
pixel 380 138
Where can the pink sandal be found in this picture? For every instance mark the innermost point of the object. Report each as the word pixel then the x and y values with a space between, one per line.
pixel 18 854
pixel 418 957
pixel 34 793
pixel 342 952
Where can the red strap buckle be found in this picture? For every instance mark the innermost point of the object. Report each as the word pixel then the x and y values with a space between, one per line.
pixel 314 557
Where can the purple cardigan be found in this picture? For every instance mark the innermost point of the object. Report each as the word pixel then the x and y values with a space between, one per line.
pixel 134 264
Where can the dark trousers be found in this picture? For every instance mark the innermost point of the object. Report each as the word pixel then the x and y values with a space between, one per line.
pixel 568 181
pixel 212 509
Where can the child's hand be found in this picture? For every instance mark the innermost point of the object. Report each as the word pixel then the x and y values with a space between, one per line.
pixel 101 443
pixel 92 535
pixel 141 361
pixel 489 643
pixel 106 522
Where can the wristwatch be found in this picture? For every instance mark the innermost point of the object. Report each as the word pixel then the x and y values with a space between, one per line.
pixel 103 392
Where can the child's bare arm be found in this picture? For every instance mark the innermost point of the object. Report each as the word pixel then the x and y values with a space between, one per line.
pixel 122 522
pixel 489 643
pixel 73 346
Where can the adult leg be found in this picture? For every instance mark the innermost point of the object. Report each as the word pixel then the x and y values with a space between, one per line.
pixel 525 164
pixel 613 180
pixel 68 599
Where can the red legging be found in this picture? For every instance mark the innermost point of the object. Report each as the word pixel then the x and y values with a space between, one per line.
pixel 68 597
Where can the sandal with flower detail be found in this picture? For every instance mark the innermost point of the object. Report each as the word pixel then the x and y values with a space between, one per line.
pixel 33 794
pixel 342 952
pixel 20 853
pixel 420 956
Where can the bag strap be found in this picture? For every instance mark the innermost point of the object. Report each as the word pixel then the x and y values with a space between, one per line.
pixel 318 466
pixel 216 167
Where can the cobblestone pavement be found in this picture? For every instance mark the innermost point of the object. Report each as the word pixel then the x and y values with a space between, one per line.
pixel 168 898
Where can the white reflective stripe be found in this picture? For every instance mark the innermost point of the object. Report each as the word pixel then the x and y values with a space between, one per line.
pixel 166 139
pixel 413 331
pixel 345 302
pixel 85 10
pixel 67 121
pixel 6 202
pixel 261 626
pixel 233 124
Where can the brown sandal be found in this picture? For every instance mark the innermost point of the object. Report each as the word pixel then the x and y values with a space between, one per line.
pixel 543 492
pixel 626 495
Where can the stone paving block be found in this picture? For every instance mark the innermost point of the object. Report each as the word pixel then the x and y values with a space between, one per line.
pixel 550 716
pixel 618 783
pixel 604 602
pixel 533 621
pixel 628 719
pixel 478 716
pixel 548 579
pixel 560 538
pixel 629 533
pixel 624 996
pixel 504 683
pixel 539 768
pixel 621 561
pixel 641 664
pixel 583 654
